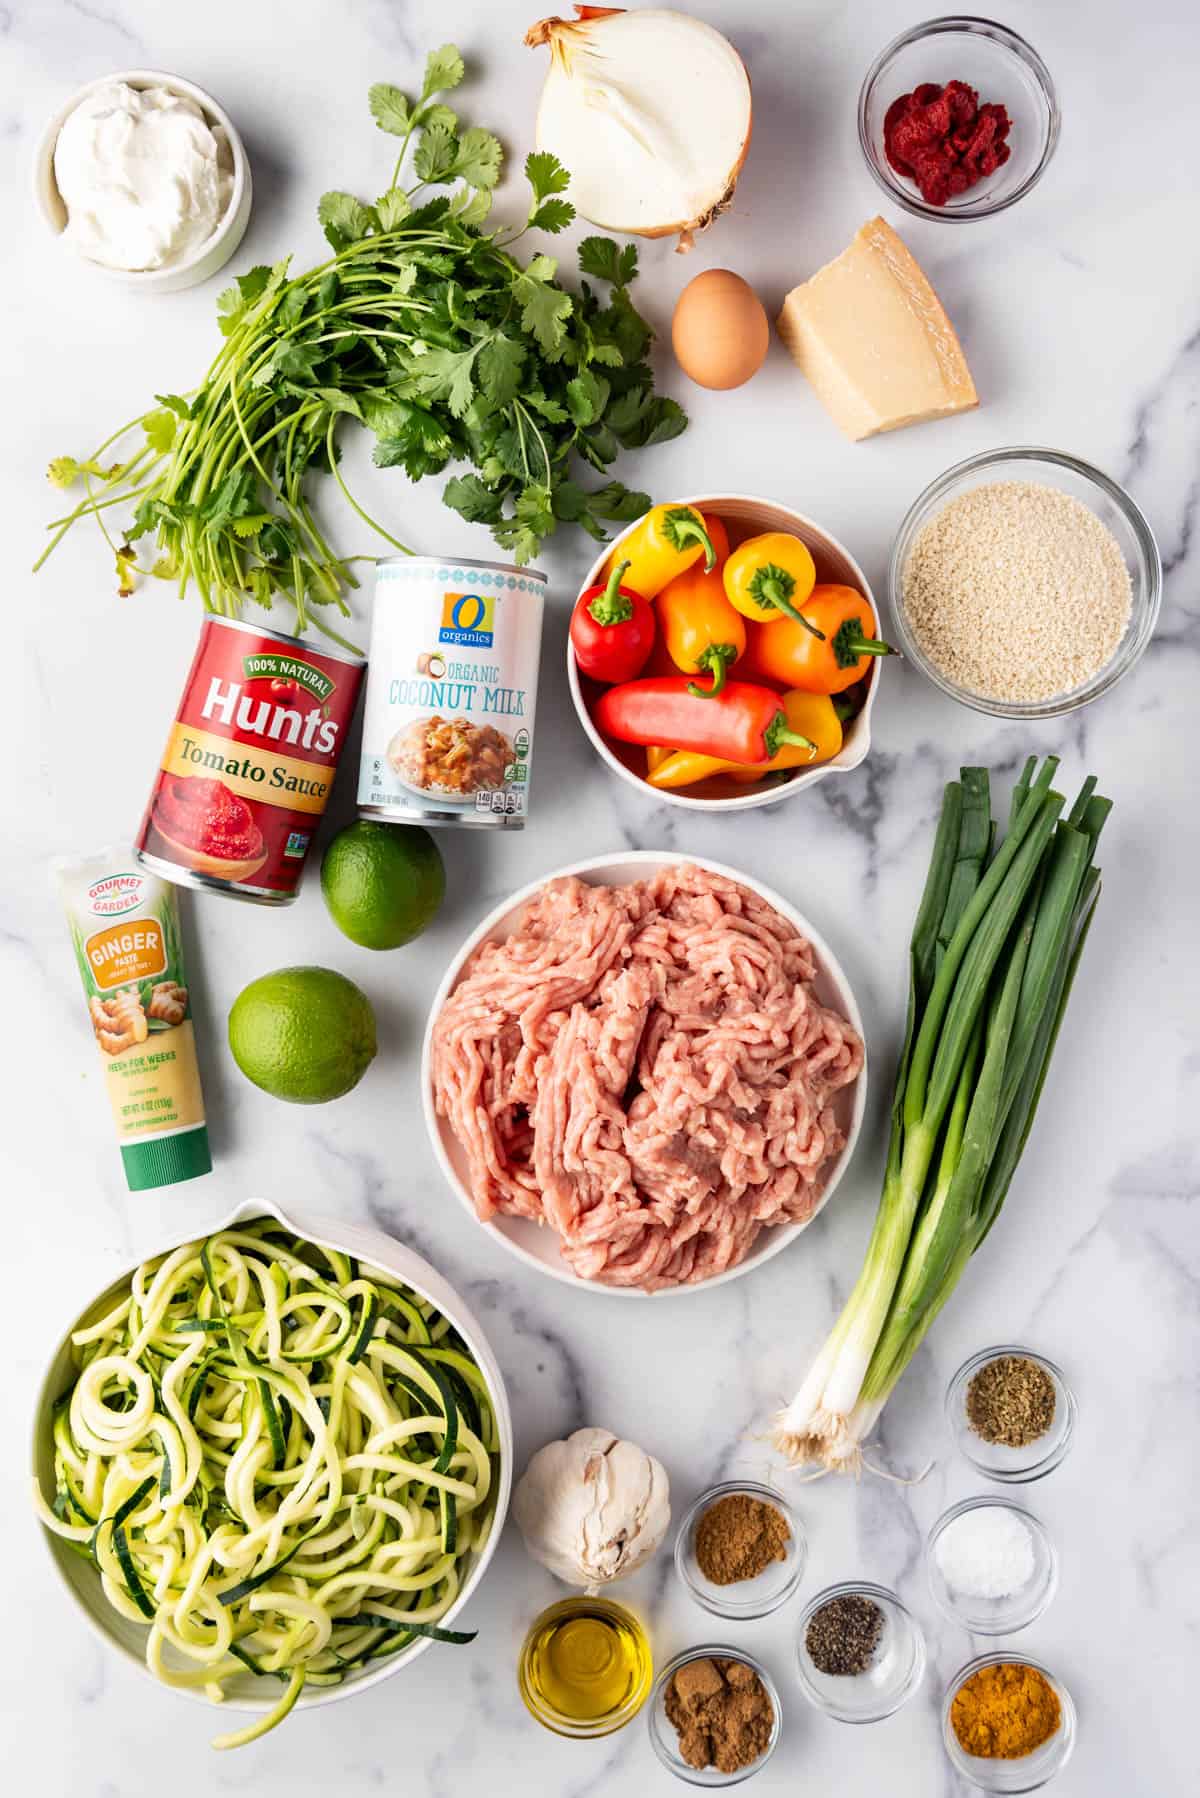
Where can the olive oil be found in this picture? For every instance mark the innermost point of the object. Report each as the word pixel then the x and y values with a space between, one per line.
pixel 586 1667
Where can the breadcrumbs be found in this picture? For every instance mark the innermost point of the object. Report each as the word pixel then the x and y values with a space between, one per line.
pixel 1017 591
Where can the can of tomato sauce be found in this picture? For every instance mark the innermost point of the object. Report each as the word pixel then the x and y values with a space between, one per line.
pixel 449 713
pixel 249 764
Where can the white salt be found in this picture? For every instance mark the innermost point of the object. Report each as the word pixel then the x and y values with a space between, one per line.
pixel 986 1553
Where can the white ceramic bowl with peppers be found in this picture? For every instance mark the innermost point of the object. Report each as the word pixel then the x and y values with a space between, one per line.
pixel 746 516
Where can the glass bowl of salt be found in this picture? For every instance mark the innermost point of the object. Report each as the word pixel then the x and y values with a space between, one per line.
pixel 991 1566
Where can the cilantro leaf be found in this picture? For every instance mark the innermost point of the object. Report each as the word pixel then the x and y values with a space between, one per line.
pixel 436 153
pixel 175 404
pixel 501 361
pixel 160 428
pixel 473 499
pixel 587 396
pixel 474 207
pixel 444 69
pixel 618 502
pixel 641 417
pixel 552 215
pixel 545 175
pixel 392 208
pixel 449 375
pixel 604 260
pixel 390 108
pixel 479 157
pixel 544 309
pixel 344 219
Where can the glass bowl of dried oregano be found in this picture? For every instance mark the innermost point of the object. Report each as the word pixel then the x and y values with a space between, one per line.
pixel 1011 1413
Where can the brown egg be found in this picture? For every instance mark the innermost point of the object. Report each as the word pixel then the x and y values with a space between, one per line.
pixel 720 331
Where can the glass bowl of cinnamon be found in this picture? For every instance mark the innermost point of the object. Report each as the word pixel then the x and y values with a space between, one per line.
pixel 741 1550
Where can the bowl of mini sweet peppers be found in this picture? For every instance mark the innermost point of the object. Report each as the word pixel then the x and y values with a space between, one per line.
pixel 725 653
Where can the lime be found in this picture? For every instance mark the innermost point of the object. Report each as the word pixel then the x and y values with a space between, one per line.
pixel 383 883
pixel 305 1034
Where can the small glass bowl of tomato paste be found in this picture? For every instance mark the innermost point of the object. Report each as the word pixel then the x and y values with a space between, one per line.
pixel 1004 71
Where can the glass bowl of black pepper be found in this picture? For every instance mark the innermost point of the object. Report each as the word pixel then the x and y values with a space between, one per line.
pixel 764 1580
pixel 1011 1413
pixel 860 1652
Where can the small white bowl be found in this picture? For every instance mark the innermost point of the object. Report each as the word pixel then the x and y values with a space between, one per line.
pixel 537 1245
pixel 207 257
pixel 79 1577
pixel 834 564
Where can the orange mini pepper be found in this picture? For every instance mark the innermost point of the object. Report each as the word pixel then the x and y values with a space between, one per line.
pixel 790 654
pixel 702 632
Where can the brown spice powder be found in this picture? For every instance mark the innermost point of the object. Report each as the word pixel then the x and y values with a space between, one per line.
pixel 738 1536
pixel 722 1712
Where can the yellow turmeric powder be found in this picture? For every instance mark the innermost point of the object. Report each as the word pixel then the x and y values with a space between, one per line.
pixel 1005 1711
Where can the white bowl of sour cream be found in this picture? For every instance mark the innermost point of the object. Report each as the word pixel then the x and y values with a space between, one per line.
pixel 146 178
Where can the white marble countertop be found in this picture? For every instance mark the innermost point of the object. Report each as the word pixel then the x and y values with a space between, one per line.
pixel 1078 312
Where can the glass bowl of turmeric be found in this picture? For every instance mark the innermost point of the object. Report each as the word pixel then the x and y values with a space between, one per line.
pixel 741 1550
pixel 1008 1724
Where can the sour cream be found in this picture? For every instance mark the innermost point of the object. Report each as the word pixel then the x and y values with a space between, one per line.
pixel 144 178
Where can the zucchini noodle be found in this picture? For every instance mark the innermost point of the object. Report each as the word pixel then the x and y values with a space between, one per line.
pixel 278 1460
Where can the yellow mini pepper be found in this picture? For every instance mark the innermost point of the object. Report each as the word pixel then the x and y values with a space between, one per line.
pixel 770 577
pixel 811 715
pixel 702 632
pixel 662 544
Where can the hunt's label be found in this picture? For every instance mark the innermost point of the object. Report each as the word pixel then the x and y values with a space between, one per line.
pixel 250 760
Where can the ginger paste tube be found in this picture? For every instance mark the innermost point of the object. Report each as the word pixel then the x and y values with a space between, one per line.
pixel 124 924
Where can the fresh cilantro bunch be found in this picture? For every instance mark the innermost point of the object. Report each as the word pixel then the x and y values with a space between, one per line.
pixel 427 331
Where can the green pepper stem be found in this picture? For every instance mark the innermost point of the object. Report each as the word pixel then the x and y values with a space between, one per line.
pixel 777 734
pixel 611 605
pixel 850 643
pixel 718 658
pixel 769 587
pixel 683 526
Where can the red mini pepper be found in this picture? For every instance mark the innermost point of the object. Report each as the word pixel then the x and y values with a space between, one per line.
pixel 742 723
pixel 612 630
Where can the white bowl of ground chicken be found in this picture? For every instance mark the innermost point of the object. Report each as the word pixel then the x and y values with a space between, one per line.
pixel 731 1100
pixel 1025 583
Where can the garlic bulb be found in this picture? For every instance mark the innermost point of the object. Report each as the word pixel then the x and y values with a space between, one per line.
pixel 592 1508
pixel 650 112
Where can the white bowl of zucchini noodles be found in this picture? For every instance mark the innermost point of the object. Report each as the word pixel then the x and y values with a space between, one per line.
pixel 274 1462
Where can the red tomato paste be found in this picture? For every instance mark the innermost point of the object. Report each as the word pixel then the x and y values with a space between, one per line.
pixel 250 761
pixel 944 140
pixel 203 814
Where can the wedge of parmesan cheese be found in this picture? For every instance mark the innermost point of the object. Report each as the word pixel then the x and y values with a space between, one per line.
pixel 871 335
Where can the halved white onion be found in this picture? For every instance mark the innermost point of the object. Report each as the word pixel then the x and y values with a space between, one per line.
pixel 650 112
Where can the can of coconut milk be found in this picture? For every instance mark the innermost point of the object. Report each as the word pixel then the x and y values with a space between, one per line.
pixel 451 690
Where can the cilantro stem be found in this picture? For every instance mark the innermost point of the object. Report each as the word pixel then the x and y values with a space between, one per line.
pixel 346 493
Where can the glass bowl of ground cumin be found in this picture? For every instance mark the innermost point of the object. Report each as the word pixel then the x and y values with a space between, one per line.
pixel 1011 1413
pixel 1009 1701
pixel 856 1675
pixel 1024 583
pixel 741 1550
pixel 714 1716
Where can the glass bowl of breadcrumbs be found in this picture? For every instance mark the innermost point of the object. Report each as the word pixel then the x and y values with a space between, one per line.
pixel 1025 583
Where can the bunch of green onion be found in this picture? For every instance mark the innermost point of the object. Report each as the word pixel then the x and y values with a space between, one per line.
pixel 996 943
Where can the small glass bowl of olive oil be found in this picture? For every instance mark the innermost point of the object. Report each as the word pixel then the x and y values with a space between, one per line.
pixel 585 1667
